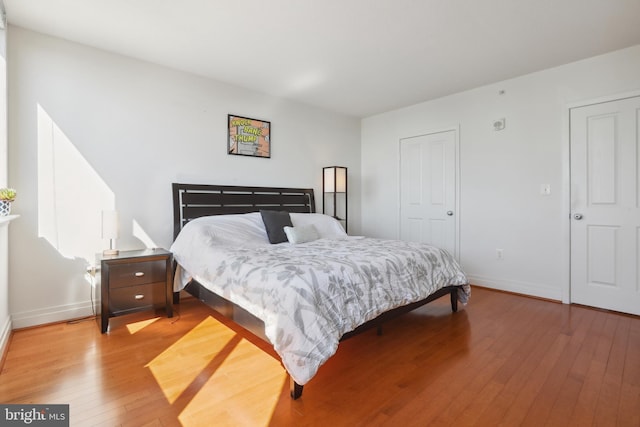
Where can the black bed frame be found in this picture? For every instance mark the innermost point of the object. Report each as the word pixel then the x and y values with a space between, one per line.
pixel 191 201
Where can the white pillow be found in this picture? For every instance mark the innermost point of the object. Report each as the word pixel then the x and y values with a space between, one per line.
pixel 230 230
pixel 301 234
pixel 326 226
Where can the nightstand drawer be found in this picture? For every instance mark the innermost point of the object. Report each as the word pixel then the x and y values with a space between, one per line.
pixel 137 273
pixel 137 297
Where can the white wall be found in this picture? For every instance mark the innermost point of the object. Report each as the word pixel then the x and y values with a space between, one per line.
pixel 89 130
pixel 501 172
pixel 5 318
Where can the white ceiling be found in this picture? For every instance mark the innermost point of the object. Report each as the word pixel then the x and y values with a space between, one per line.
pixel 358 57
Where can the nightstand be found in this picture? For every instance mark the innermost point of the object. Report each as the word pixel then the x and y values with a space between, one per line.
pixel 134 281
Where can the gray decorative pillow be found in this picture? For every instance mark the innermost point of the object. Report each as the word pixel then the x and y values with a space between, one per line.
pixel 274 223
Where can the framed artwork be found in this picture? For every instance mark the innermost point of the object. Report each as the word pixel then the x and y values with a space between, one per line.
pixel 248 137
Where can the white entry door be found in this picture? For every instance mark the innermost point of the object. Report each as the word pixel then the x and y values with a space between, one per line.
pixel 428 190
pixel 605 199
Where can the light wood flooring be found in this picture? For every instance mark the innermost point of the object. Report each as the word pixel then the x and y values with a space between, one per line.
pixel 502 360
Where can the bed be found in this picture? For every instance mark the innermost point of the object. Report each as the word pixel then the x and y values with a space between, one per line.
pixel 302 297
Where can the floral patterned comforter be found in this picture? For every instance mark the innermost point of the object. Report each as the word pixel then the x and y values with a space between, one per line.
pixel 310 294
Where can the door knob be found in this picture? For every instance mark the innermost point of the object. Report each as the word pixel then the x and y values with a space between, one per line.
pixel 450 213
pixel 577 216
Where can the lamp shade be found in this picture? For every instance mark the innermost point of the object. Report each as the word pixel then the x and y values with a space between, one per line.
pixel 109 224
pixel 335 179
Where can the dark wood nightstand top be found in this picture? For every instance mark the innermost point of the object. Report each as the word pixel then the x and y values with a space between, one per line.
pixel 124 255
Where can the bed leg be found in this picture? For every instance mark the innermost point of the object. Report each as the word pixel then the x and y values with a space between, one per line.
pixel 176 297
pixel 296 389
pixel 454 300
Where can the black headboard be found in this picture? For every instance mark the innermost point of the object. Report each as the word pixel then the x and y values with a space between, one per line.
pixel 191 201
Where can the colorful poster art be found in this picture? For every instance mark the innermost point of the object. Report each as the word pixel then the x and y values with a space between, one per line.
pixel 249 137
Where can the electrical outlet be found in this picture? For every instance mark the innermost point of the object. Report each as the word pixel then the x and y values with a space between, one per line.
pixel 92 270
pixel 499 254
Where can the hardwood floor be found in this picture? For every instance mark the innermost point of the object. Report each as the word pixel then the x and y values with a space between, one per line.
pixel 501 360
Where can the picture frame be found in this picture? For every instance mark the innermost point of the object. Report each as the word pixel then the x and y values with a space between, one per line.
pixel 248 137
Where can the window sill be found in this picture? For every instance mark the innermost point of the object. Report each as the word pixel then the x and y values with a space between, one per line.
pixel 5 220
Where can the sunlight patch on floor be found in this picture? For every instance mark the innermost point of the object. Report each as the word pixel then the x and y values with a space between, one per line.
pixel 138 326
pixel 244 390
pixel 176 368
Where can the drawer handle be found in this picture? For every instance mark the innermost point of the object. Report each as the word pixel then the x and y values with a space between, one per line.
pixel 139 296
pixel 139 274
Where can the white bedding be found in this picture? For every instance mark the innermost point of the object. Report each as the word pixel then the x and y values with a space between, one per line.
pixel 310 294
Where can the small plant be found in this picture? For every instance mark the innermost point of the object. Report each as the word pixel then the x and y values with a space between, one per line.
pixel 8 194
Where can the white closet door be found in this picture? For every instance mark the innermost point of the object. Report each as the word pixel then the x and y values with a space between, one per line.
pixel 605 213
pixel 428 189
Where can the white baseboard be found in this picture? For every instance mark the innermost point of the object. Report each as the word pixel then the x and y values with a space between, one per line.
pixel 59 313
pixel 526 288
pixel 5 334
